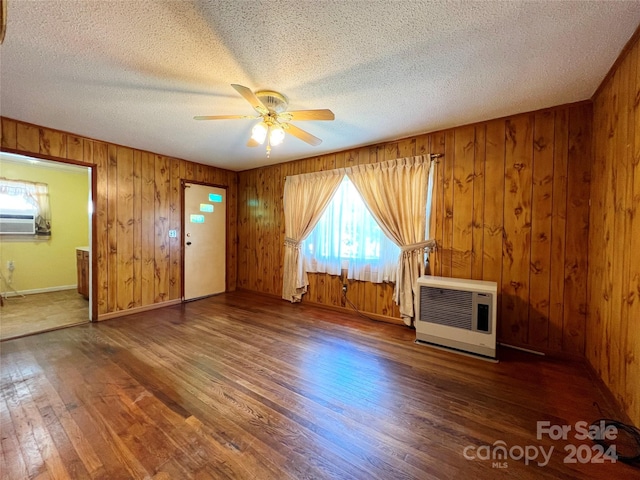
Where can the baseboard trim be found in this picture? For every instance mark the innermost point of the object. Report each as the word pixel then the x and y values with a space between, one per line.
pixel 9 294
pixel 132 311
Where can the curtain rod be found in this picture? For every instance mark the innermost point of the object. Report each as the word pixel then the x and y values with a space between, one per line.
pixel 432 156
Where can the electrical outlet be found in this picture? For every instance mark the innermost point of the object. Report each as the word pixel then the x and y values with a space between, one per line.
pixel 11 266
pixel 173 234
pixel 343 276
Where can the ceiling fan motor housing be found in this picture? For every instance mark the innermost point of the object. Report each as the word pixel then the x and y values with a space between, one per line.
pixel 274 101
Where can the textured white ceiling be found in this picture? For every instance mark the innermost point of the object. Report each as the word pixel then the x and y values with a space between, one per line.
pixel 136 72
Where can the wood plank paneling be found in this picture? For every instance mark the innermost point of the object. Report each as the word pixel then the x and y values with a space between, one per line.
pixel 437 211
pixel 136 202
pixel 253 232
pixel 631 396
pixel 52 142
pixel 124 229
pixel 137 228
pixel 558 230
pixel 231 180
pixel 162 191
pixel 494 207
pixel 482 214
pixel 8 133
pixel 447 164
pixel 75 148
pixel 28 138
pixel 575 289
pixel 243 226
pixel 517 229
pixel 628 326
pixel 100 158
pixel 175 214
pixel 478 202
pixel 148 240
pixel 265 227
pixel 612 324
pixel 541 206
pixel 275 221
pixel 111 228
pixel 462 206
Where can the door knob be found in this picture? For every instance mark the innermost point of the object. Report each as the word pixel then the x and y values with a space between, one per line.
pixel 188 243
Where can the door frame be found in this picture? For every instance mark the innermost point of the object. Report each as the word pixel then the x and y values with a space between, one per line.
pixel 183 183
pixel 93 242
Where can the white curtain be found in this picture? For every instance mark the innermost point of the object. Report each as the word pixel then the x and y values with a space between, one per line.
pixel 18 196
pixel 305 199
pixel 396 194
pixel 348 237
pixel 43 218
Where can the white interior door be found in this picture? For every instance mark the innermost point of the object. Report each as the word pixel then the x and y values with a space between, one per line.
pixel 205 221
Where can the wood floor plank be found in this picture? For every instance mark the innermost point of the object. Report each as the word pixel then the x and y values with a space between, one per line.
pixel 24 434
pixel 162 385
pixel 240 386
pixel 246 416
pixel 33 424
pixel 11 462
pixel 46 397
pixel 72 379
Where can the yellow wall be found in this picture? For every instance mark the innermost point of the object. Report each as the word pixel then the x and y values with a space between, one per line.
pixel 51 263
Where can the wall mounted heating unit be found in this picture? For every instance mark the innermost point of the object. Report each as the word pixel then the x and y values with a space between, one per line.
pixel 457 314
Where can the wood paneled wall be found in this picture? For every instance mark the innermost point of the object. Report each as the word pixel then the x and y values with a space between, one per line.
pixel 613 327
pixel 137 201
pixel 510 205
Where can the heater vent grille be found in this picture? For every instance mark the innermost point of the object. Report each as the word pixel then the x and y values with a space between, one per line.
pixel 453 308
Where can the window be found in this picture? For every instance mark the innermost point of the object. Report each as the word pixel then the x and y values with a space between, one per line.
pixel 20 198
pixel 348 237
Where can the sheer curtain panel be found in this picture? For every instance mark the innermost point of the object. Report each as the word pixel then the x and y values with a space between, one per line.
pixel 348 237
pixel 305 199
pixel 396 194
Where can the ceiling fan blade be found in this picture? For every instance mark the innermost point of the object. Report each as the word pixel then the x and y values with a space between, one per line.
pixel 301 134
pixel 252 143
pixel 222 117
pixel 250 97
pixel 323 114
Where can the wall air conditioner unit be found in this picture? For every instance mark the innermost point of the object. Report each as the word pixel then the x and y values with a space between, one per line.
pixel 17 224
pixel 458 314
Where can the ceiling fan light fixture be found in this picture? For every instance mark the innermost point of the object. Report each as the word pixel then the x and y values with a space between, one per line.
pixel 259 132
pixel 276 135
pixel 274 124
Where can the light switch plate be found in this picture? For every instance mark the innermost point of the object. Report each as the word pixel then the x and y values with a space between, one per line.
pixel 173 234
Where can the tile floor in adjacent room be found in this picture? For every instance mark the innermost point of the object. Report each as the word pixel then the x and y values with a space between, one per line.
pixel 40 312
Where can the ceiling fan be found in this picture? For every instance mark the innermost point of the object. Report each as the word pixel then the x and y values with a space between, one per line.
pixel 272 111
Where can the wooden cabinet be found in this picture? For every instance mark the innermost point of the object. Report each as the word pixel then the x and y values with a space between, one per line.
pixel 82 260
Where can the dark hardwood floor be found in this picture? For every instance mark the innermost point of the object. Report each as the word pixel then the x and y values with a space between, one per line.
pixel 240 386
